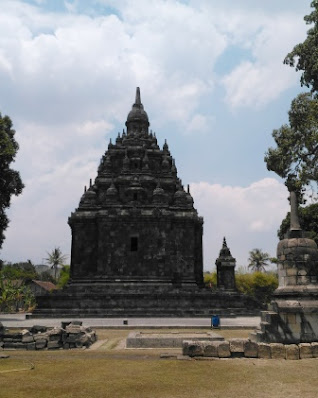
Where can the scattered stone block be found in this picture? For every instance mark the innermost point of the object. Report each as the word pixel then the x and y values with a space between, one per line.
pixel 40 336
pixel 73 329
pixel 15 345
pixel 192 348
pixel 305 350
pixel 314 347
pixel 250 349
pixel 40 344
pixel 53 345
pixel 38 329
pixel 27 337
pixel 223 349
pixel 210 349
pixel 264 351
pixel 292 351
pixel 30 346
pixel 237 346
pixel 277 351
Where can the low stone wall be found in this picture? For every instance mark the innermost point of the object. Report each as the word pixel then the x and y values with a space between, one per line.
pixel 70 335
pixel 235 348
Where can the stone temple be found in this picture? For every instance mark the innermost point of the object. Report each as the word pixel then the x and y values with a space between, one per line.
pixel 137 239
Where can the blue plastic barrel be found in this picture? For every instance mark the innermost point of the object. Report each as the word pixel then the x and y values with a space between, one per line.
pixel 215 321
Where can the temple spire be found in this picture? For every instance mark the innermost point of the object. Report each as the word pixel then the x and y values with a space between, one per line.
pixel 138 100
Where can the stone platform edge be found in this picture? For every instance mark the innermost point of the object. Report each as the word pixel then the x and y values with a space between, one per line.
pixel 245 348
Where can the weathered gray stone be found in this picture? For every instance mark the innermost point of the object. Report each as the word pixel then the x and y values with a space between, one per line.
pixel 305 350
pixel 40 344
pixel 210 349
pixel 40 336
pixel 237 345
pixel 277 351
pixel 225 265
pixel 53 344
pixel 292 351
pixel 223 349
pixel 15 345
pixel 264 350
pixel 30 346
pixel 250 349
pixel 314 347
pixel 192 348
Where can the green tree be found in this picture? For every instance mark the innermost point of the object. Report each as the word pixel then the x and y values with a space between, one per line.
pixel 64 276
pixel 258 260
pixel 56 259
pixel 308 218
pixel 210 280
pixel 304 56
pixel 295 158
pixel 22 270
pixel 258 285
pixel 10 181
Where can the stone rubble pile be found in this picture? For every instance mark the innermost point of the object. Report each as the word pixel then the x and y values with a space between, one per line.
pixel 70 335
pixel 236 348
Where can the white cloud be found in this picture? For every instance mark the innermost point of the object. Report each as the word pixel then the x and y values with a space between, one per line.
pixel 247 216
pixel 256 83
pixel 67 79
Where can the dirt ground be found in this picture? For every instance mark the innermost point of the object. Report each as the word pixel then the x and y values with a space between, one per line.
pixel 108 369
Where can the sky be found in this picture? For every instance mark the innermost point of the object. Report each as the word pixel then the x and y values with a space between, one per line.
pixel 212 81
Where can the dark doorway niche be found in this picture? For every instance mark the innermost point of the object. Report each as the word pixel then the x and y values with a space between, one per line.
pixel 134 244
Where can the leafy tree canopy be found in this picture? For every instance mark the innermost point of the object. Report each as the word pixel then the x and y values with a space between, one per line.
pixel 308 218
pixel 64 276
pixel 296 156
pixel 22 270
pixel 10 181
pixel 304 56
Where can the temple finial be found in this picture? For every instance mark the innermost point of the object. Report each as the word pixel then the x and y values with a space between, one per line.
pixel 224 242
pixel 138 100
pixel 294 219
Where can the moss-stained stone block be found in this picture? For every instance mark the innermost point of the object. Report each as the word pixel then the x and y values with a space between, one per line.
pixel 223 349
pixel 210 349
pixel 277 351
pixel 264 351
pixel 193 348
pixel 314 347
pixel 237 345
pixel 250 349
pixel 292 351
pixel 305 350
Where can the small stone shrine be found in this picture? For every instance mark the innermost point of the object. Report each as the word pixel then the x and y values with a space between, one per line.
pixel 137 239
pixel 293 317
pixel 225 267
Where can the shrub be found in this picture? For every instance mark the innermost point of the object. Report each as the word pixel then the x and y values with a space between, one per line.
pixel 259 285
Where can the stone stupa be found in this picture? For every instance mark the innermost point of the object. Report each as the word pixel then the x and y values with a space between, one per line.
pixel 293 315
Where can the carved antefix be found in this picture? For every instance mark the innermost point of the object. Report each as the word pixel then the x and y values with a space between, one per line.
pixel 225 266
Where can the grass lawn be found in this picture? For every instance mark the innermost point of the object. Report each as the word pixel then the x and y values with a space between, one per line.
pixel 113 371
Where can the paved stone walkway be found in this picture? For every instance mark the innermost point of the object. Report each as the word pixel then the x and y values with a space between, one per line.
pixel 19 320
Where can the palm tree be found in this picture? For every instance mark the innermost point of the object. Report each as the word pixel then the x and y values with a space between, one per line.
pixel 258 260
pixel 56 259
